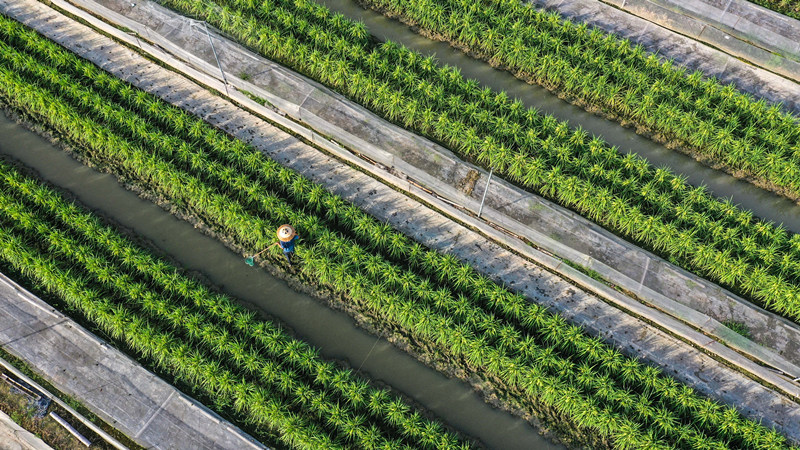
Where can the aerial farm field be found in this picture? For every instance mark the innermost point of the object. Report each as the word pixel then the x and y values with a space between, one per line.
pixel 274 370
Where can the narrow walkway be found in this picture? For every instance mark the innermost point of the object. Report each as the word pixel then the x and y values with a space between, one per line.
pixel 634 336
pixel 120 391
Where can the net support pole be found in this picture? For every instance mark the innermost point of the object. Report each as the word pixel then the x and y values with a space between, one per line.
pixel 214 50
pixel 483 200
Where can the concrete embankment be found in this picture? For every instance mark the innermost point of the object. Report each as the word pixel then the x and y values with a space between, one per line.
pixel 315 106
pixel 120 391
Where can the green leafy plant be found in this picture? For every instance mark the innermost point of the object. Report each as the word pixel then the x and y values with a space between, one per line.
pixel 235 189
pixel 649 206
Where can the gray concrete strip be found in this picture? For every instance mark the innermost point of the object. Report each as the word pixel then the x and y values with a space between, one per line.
pixel 699 43
pixel 552 228
pixel 14 437
pixel 116 388
pixel 618 325
pixel 153 416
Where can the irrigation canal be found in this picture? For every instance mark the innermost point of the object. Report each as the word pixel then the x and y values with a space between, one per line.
pixel 763 204
pixel 333 332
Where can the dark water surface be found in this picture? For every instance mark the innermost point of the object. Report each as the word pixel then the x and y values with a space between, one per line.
pixel 333 332
pixel 763 204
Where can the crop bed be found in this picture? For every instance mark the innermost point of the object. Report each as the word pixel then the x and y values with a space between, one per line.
pixel 542 362
pixel 649 206
pixel 198 336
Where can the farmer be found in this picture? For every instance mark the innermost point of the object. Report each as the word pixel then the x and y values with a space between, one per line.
pixel 287 237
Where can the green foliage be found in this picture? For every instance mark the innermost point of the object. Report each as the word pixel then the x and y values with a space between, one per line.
pixel 649 206
pixel 276 382
pixel 612 74
pixel 255 350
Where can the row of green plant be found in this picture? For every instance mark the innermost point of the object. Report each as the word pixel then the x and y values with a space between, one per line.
pixel 649 206
pixel 229 185
pixel 259 405
pixel 790 8
pixel 101 272
pixel 604 71
pixel 393 408
pixel 256 354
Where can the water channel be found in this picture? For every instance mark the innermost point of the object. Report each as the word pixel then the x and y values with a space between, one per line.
pixel 763 204
pixel 333 332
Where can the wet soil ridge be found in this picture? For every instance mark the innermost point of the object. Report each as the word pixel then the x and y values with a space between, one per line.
pixel 652 207
pixel 432 297
pixel 269 378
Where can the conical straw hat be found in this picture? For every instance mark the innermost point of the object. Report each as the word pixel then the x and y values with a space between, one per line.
pixel 286 233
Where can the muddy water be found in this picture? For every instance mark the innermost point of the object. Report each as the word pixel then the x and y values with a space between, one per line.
pixel 762 203
pixel 331 331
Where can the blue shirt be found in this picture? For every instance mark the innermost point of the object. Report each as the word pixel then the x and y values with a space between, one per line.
pixel 288 247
